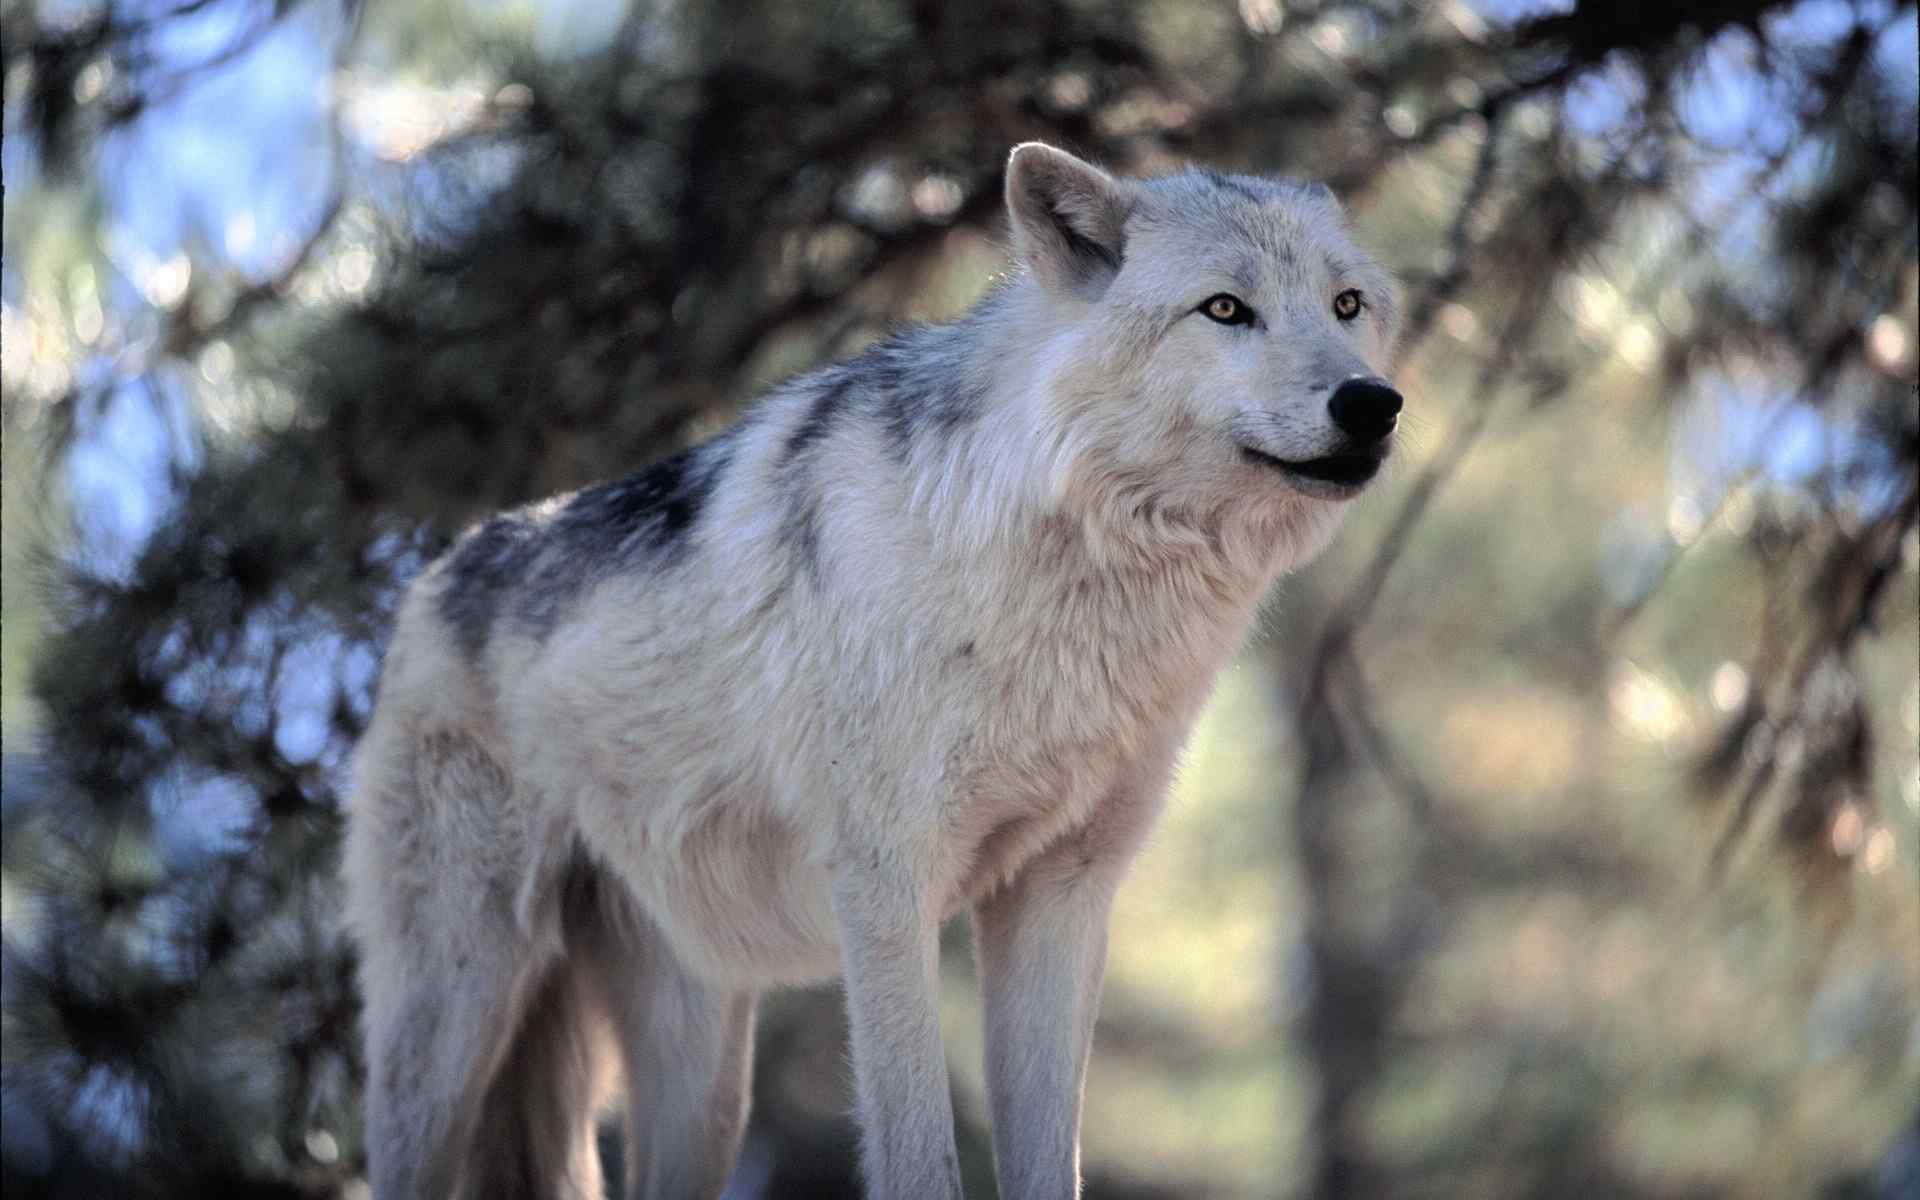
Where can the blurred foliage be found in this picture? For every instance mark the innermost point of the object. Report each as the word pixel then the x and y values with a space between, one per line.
pixel 1563 836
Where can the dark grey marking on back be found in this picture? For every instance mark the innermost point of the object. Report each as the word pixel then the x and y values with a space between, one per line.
pixel 827 404
pixel 651 510
pixel 543 565
pixel 800 530
pixel 919 383
pixel 480 570
pixel 801 533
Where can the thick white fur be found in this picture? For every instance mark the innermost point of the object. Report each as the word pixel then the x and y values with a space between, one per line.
pixel 972 705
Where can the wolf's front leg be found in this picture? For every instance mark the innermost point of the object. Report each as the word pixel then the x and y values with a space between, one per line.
pixel 1041 943
pixel 1041 946
pixel 890 948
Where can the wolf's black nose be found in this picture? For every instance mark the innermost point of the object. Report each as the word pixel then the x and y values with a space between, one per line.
pixel 1365 408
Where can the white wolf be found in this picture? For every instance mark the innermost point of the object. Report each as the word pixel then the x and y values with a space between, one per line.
pixel 922 635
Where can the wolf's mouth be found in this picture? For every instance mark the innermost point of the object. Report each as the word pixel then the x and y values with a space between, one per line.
pixel 1343 471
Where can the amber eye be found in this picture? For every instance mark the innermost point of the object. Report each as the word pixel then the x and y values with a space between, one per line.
pixel 1228 310
pixel 1347 304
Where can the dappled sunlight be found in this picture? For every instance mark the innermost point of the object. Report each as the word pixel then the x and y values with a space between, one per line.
pixel 1523 742
pixel 1645 706
pixel 1198 927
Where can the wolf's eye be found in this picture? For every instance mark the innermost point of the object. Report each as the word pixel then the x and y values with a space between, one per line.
pixel 1228 310
pixel 1347 304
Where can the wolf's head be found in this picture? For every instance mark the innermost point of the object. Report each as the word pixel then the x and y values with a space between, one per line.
pixel 1220 339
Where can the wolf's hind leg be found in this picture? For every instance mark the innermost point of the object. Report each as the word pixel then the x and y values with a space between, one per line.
pixel 536 1132
pixel 688 1049
pixel 438 1028
pixel 446 969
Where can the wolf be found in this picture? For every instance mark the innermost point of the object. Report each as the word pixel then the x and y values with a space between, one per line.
pixel 920 636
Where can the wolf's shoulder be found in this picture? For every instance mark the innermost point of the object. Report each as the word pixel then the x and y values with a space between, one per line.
pixel 531 564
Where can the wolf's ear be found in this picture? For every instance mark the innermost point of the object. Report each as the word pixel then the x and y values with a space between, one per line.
pixel 1069 219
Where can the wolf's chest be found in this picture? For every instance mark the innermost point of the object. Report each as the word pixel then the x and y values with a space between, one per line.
pixel 1101 672
pixel 1049 724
